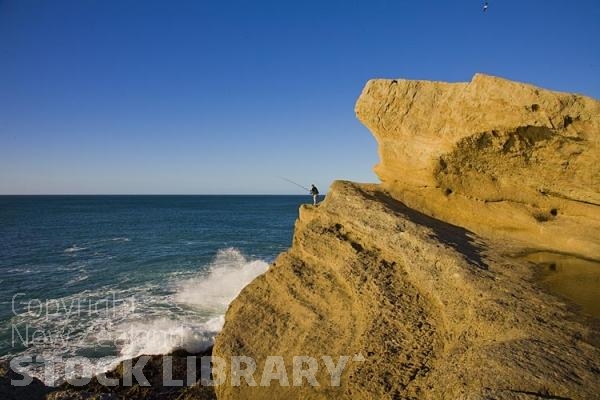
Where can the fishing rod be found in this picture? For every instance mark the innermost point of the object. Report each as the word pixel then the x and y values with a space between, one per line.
pixel 294 183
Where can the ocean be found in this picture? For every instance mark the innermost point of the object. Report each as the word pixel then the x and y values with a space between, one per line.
pixel 109 278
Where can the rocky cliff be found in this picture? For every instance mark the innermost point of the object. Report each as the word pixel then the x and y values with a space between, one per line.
pixel 420 281
pixel 499 157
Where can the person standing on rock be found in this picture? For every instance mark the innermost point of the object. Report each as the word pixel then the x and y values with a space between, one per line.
pixel 315 193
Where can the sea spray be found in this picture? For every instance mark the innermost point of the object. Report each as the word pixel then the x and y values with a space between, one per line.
pixel 140 321
pixel 227 276
pixel 210 294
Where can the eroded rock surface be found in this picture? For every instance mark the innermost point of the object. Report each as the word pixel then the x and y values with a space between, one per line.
pixel 425 275
pixel 435 312
pixel 496 156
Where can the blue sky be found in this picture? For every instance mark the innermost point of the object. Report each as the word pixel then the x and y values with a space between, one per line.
pixel 225 96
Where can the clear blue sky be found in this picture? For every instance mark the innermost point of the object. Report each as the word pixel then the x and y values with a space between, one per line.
pixel 224 96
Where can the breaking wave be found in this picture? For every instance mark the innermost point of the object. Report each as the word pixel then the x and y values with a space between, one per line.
pixel 182 312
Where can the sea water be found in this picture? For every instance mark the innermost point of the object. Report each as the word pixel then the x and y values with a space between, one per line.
pixel 109 278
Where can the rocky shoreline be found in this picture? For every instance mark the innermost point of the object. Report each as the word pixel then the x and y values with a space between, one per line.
pixel 421 287
pixel 153 371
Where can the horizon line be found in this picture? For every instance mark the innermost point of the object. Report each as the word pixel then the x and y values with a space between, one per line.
pixel 156 194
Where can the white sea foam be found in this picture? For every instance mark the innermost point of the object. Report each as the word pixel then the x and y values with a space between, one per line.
pixel 227 276
pixel 22 271
pixel 120 239
pixel 163 335
pixel 149 319
pixel 78 278
pixel 74 249
pixel 209 294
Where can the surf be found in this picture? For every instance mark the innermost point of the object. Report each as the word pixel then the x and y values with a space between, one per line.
pixel 185 313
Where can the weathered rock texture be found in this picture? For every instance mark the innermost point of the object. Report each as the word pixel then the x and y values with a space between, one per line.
pixel 437 311
pixel 496 156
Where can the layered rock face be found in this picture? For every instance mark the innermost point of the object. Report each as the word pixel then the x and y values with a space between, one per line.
pixel 385 272
pixel 496 156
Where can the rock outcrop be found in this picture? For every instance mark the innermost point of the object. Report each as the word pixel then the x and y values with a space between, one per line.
pixel 154 389
pixel 423 275
pixel 498 157
pixel 435 312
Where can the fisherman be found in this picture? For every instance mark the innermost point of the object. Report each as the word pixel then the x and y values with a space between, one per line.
pixel 315 193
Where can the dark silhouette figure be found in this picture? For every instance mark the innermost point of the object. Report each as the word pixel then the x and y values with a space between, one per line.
pixel 315 193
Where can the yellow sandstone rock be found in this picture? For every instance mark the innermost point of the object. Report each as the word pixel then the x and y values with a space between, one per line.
pixel 387 273
pixel 495 156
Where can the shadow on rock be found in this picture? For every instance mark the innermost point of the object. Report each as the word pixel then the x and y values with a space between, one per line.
pixel 460 239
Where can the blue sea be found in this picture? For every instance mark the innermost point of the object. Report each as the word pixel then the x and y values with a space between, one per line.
pixel 109 278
